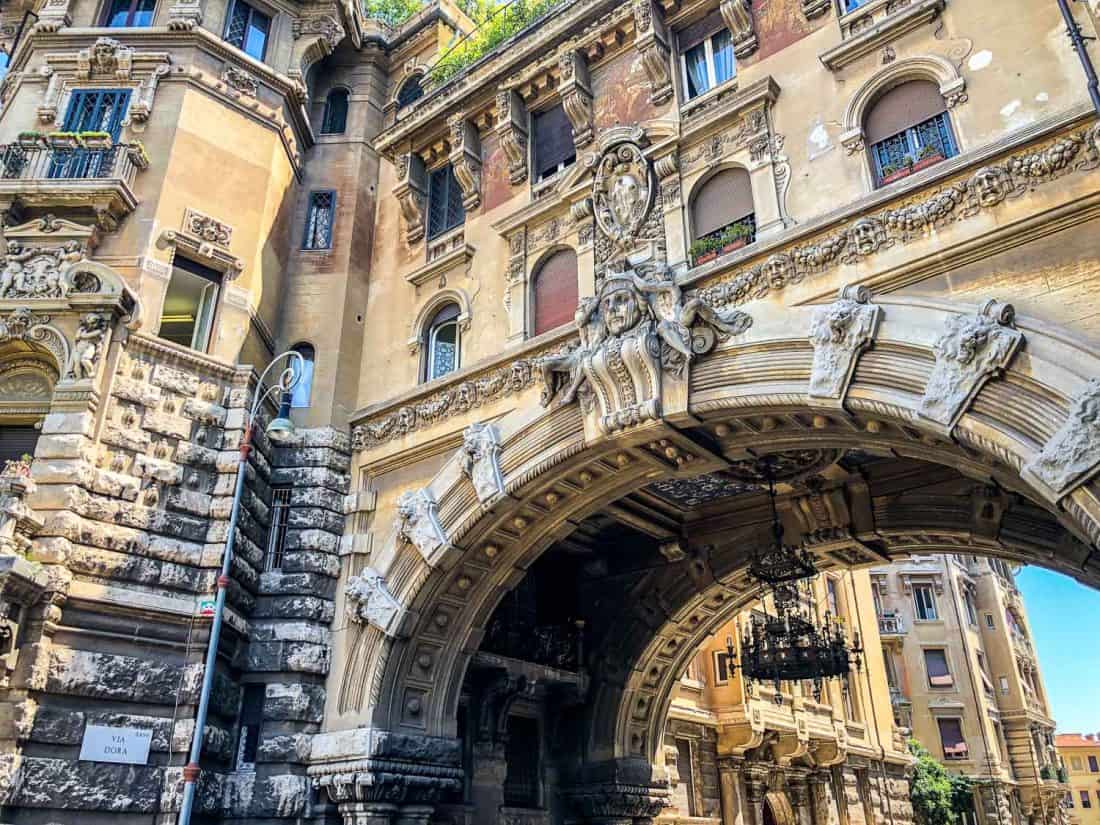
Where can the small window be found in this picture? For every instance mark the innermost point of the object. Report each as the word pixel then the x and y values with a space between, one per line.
pixel 1086 801
pixel 442 343
pixel 410 91
pixel 299 398
pixel 5 59
pixel 1069 799
pixel 247 29
pixel 721 667
pixel 935 662
pixel 445 210
pixel 908 130
pixel 831 596
pixel 722 216
pixel 554 291
pixel 129 13
pixel 276 532
pixel 335 119
pixel 319 220
pixel 971 610
pixel 989 621
pixel 706 55
pixel 1003 682
pixel 951 735
pixel 852 5
pixel 685 768
pixel 251 720
pixel 1075 763
pixel 851 710
pixel 522 755
pixel 924 600
pixel 1093 767
pixel 554 147
pixel 189 305
pixel 17 441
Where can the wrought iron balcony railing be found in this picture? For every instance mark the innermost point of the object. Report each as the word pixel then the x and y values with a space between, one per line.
pixel 891 625
pixel 20 162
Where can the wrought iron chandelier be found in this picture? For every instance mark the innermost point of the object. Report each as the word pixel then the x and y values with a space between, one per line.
pixel 789 644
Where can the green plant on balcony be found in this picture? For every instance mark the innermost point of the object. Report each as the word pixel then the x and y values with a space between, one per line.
pixel 138 156
pixel 391 12
pixel 929 151
pixel 64 140
pixel 31 139
pixel 1046 772
pixel 96 140
pixel 18 466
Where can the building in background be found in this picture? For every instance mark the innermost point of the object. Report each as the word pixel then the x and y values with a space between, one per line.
pixel 1080 754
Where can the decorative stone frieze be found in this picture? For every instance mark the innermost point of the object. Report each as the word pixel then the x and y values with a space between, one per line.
pixel 418 524
pixel 38 271
pixel 972 350
pixel 815 8
pixel 466 160
pixel 838 334
pixel 411 192
pixel 209 229
pixel 512 131
pixel 737 15
pixel 575 89
pixel 651 42
pixel 1073 453
pixel 238 80
pixel 622 190
pixel 23 325
pixel 480 457
pixel 368 600
pixel 204 252
pixel 18 522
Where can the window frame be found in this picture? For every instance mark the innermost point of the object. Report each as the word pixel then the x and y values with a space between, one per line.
pixel 539 761
pixel 538 177
pixel 930 589
pixel 309 364
pixel 108 7
pixel 275 549
pixel 720 663
pixel 532 289
pixel 1086 798
pixel 914 145
pixel 215 279
pixel 712 71
pixel 962 738
pixel 1094 764
pixel 252 10
pixel 445 172
pixel 325 112
pixel 430 335
pixel 313 195
pixel 947 666
pixel 413 78
pixel 244 728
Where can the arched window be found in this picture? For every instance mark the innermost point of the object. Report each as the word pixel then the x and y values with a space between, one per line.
pixel 554 291
pixel 303 389
pixel 410 91
pixel 335 119
pixel 441 343
pixel 722 216
pixel 907 130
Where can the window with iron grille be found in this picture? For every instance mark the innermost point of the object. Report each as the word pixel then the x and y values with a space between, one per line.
pixel 521 783
pixel 319 220
pixel 930 139
pixel 251 719
pixel 335 119
pixel 411 91
pixel 129 13
pixel 445 210
pixel 248 28
pixel 276 534
pixel 90 110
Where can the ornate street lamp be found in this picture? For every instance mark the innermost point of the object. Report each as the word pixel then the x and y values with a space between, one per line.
pixel 277 430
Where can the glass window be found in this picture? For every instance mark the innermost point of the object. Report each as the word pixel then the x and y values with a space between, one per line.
pixel 1093 767
pixel 5 59
pixel 1003 681
pixel 410 92
pixel 971 611
pixel 685 768
pixel 924 600
pixel 442 344
pixel 319 220
pixel 299 397
pixel 722 216
pixel 852 5
pixel 951 735
pixel 276 532
pixel 831 596
pixel 129 13
pixel 17 441
pixel 522 755
pixel 1086 801
pixel 924 144
pixel 935 662
pixel 247 29
pixel 708 64
pixel 335 119
pixel 989 621
pixel 189 304
pixel 554 291
pixel 445 210
pixel 721 667
pixel 554 147
pixel 251 719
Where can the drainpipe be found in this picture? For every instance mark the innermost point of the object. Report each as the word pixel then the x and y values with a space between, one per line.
pixel 1078 41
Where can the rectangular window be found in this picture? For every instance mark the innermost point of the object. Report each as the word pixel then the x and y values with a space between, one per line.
pixel 706 56
pixel 927 140
pixel 831 596
pixel 17 441
pixel 971 611
pixel 935 662
pixel 90 110
pixel 445 210
pixel 721 668
pixel 684 768
pixel 521 781
pixel 989 621
pixel 1093 767
pixel 251 720
pixel 924 600
pixel 276 533
pixel 1069 799
pixel 554 147
pixel 1086 801
pixel 852 5
pixel 951 735
pixel 129 13
pixel 189 305
pixel 1075 763
pixel 247 29
pixel 322 207
pixel 1004 685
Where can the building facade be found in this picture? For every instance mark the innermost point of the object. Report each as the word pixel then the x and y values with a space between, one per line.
pixel 565 311
pixel 1081 755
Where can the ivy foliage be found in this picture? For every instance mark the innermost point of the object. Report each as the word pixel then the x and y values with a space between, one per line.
pixel 391 12
pixel 938 797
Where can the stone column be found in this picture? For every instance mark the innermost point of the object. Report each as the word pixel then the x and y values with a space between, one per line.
pixel 821 798
pixel 367 813
pixel 798 791
pixel 733 796
pixel 489 771
pixel 756 786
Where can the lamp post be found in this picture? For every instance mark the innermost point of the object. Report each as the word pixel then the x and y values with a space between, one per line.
pixel 277 430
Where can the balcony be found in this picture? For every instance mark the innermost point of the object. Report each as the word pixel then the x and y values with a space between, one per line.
pixel 71 174
pixel 891 625
pixel 868 25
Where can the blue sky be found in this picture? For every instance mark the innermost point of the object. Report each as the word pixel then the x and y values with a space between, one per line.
pixel 1065 621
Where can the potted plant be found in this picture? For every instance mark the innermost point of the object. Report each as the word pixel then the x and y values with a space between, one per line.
pixel 138 156
pixel 891 173
pixel 63 140
pixel 18 467
pixel 735 237
pixel 703 251
pixel 929 156
pixel 96 140
pixel 31 140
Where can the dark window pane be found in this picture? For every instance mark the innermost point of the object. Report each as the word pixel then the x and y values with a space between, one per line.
pixel 335 119
pixel 410 92
pixel 554 148
pixel 247 29
pixel 16 442
pixel 521 783
pixel 276 534
pixel 445 209
pixel 319 221
pixel 238 23
pixel 251 719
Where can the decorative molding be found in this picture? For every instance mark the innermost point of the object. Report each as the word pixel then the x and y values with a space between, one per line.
pixel 815 8
pixel 21 324
pixel 89 342
pixel 972 350
pixel 239 80
pixel 838 334
pixel 1072 455
pixel 737 15
pixel 184 15
pixel 202 252
pixel 622 187
pixel 480 460
pixel 465 158
pixel 411 192
pixel 418 524
pixel 651 43
pixel 575 89
pixel 512 132
pixel 459 256
pixel 367 599
pixel 867 30
pixel 208 229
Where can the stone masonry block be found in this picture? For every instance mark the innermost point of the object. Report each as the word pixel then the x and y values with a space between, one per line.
pixel 319 540
pixel 72 423
pixel 82 786
pixel 311 477
pixel 284 657
pixel 204 412
pixel 62 446
pixel 156 469
pixel 188 501
pixel 294 607
pixel 118 485
pixel 310 562
pixel 177 380
pixel 126 678
pixel 278 582
pixel 294 702
pixel 195 455
pixel 174 426
pixel 127 438
pixel 131 389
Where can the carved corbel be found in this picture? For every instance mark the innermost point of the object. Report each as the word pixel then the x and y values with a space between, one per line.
pixel 737 15
pixel 852 141
pixel 411 191
pixel 367 599
pixel 480 456
pixel 652 46
pixel 466 160
pixel 47 112
pixel 1072 454
pixel 418 524
pixel 972 350
pixel 512 132
pixel 142 108
pixel 184 15
pixel 575 89
pixel 52 16
pixel 838 334
pixel 815 8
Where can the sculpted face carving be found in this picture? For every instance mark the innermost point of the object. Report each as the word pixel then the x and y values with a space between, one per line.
pixel 620 311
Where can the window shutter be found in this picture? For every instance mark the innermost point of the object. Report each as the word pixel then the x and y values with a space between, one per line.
pixel 902 107
pixel 456 212
pixel 553 141
pixel 699 31
pixel 725 198
pixel 335 117
pixel 15 442
pixel 555 291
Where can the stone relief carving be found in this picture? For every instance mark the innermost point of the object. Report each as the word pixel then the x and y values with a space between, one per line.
pixel 971 350
pixel 38 271
pixel 240 81
pixel 88 343
pixel 652 47
pixel 737 15
pixel 838 334
pixel 512 132
pixel 18 522
pixel 368 600
pixel 207 228
pixel 466 160
pixel 1073 453
pixel 184 15
pixel 576 95
pixel 481 460
pixel 815 8
pixel 411 192
pixel 23 325
pixel 635 329
pixel 418 524
pixel 622 191
pixel 106 57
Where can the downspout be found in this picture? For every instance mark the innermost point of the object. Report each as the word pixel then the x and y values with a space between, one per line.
pixel 1078 42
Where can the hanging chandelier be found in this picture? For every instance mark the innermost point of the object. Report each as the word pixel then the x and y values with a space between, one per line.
pixel 788 644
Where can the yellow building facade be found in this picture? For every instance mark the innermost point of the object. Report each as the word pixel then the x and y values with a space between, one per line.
pixel 1081 755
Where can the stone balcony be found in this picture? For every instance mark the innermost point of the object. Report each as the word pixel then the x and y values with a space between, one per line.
pixel 891 626
pixel 58 177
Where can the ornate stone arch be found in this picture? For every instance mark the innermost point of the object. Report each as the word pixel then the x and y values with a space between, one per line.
pixel 27 380
pixel 413 69
pixel 939 70
pixel 453 295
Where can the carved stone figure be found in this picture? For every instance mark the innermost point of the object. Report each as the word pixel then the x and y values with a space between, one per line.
pixel 481 460
pixel 622 192
pixel 37 271
pixel 368 600
pixel 18 522
pixel 87 345
pixel 972 349
pixel 838 334
pixel 418 524
pixel 1072 453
